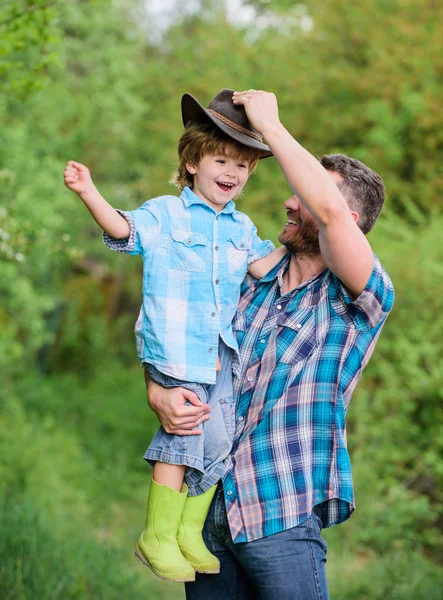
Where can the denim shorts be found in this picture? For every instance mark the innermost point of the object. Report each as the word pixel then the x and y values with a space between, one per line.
pixel 203 455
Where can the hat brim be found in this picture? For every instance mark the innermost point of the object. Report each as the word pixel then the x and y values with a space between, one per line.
pixel 193 110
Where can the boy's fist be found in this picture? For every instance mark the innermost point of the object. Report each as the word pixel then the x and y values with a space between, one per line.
pixel 77 177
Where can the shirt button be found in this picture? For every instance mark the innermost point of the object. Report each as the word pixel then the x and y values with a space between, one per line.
pixel 213 314
pixel 242 245
pixel 262 341
pixel 298 325
pixel 188 241
pixel 229 493
pixel 216 248
pixel 249 378
pixel 279 306
pixel 211 349
pixel 217 282
pixel 240 418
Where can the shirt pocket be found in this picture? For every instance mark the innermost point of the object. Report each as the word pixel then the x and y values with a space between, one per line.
pixel 238 252
pixel 297 336
pixel 188 251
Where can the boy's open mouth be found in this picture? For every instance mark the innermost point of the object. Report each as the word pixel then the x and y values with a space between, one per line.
pixel 226 187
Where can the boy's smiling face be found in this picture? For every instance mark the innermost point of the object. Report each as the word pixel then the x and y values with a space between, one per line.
pixel 219 178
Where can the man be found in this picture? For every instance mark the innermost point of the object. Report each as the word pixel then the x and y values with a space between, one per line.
pixel 305 332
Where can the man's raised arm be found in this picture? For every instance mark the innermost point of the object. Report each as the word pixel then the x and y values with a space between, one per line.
pixel 344 247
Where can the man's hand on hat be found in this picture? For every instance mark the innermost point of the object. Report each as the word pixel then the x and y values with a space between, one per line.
pixel 261 108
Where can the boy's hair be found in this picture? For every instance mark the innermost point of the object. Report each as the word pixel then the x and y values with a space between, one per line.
pixel 202 138
pixel 361 187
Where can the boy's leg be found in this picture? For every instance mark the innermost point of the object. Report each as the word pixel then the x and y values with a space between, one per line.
pixel 157 547
pixel 204 456
pixel 218 430
pixel 173 449
pixel 218 434
pixel 231 583
pixel 189 536
pixel 168 454
pixel 170 475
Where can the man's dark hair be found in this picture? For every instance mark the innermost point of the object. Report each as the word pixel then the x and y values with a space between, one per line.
pixel 361 187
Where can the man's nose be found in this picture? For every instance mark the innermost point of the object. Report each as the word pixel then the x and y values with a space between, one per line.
pixel 292 203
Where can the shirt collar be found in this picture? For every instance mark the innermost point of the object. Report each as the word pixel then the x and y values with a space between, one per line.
pixel 278 270
pixel 281 267
pixel 190 198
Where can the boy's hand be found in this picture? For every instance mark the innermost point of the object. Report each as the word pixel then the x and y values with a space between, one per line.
pixel 171 409
pixel 261 108
pixel 78 178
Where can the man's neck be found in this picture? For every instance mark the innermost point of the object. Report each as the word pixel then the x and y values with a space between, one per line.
pixel 300 270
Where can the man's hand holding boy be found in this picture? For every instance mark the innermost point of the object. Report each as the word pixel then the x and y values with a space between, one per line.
pixel 170 406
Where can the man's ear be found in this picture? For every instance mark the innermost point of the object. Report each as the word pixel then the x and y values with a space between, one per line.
pixel 355 215
pixel 191 169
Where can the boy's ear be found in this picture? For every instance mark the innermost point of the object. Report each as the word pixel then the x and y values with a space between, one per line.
pixel 191 169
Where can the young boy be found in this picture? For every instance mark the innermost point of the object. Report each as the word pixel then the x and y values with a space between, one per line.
pixel 196 251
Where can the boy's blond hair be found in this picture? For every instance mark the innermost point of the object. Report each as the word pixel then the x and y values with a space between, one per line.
pixel 200 139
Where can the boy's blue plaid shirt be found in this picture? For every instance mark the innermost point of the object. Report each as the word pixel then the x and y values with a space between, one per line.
pixel 301 356
pixel 194 262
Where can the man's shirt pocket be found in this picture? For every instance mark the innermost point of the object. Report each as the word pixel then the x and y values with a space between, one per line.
pixel 297 336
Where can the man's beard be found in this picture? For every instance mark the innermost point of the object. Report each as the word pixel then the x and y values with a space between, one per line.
pixel 303 241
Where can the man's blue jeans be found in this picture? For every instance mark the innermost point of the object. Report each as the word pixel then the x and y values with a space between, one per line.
pixel 285 566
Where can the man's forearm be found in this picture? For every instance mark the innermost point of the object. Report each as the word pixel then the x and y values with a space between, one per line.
pixel 306 176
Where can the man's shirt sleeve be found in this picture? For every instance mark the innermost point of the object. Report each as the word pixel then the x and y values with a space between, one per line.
pixel 144 227
pixel 374 303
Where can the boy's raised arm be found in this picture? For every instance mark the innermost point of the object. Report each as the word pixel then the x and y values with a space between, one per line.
pixel 78 179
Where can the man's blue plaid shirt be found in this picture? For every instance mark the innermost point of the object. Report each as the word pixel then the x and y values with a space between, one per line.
pixel 301 356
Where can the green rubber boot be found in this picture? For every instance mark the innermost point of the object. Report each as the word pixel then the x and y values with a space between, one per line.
pixel 157 547
pixel 190 537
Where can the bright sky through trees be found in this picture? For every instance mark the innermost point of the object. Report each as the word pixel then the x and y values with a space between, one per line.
pixel 238 13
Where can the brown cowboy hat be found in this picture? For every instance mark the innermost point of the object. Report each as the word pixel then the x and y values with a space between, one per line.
pixel 228 117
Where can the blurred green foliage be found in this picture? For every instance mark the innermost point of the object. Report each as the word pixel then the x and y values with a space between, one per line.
pixel 29 39
pixel 89 80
